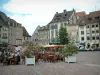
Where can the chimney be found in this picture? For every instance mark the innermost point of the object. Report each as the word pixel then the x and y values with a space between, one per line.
pixel 56 12
pixel 65 11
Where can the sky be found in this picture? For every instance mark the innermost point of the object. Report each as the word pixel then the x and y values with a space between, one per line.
pixel 31 13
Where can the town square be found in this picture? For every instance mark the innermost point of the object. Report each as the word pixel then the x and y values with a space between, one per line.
pixel 49 37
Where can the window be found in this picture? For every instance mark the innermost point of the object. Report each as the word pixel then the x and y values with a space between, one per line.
pixel 93 31
pixel 52 33
pixel 93 26
pixel 82 32
pixel 93 38
pixel 88 38
pixel 97 17
pixel 5 29
pixel 97 45
pixel 4 36
pixel 82 38
pixel 97 25
pixel 97 31
pixel 97 38
pixel 88 26
pixel 89 19
pixel 56 32
pixel 65 14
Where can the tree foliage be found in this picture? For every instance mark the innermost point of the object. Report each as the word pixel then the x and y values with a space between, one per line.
pixel 3 46
pixel 63 36
pixel 30 48
pixel 69 50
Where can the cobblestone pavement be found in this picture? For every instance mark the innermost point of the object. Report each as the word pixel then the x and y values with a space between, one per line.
pixel 87 64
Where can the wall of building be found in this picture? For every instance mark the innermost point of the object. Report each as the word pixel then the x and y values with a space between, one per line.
pixel 43 37
pixel 82 33
pixel 73 32
pixel 19 35
pixel 4 34
pixel 12 35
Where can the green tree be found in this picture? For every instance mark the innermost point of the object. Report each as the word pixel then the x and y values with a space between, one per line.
pixel 63 36
pixel 69 50
pixel 3 46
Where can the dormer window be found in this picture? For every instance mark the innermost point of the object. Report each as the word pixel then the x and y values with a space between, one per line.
pixel 97 18
pixel 65 14
pixel 89 19
pixel 59 15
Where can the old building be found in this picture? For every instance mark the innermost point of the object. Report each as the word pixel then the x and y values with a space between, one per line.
pixel 15 32
pixel 34 37
pixel 66 19
pixel 3 27
pixel 79 15
pixel 43 35
pixel 26 36
pixel 89 30
pixel 10 30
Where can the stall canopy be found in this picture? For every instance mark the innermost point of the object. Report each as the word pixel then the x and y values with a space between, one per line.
pixel 53 46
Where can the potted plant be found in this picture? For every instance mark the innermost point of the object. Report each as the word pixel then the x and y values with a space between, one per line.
pixel 69 52
pixel 29 52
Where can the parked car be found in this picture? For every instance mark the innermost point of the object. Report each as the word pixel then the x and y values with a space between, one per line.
pixel 81 48
pixel 96 49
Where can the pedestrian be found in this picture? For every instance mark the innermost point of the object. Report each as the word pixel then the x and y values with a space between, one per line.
pixel 23 59
pixel 18 59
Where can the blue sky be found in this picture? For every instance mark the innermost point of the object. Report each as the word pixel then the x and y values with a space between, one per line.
pixel 31 13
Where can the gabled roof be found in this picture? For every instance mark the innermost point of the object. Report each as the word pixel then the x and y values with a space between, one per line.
pixel 3 16
pixel 60 17
pixel 36 30
pixel 5 19
pixel 83 20
pixel 94 14
pixel 25 33
pixel 82 13
pixel 92 17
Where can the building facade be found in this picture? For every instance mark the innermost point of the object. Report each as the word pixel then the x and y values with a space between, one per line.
pixel 10 30
pixel 89 30
pixel 66 19
pixel 72 30
pixel 3 27
pixel 26 36
pixel 43 35
pixel 34 37
pixel 15 32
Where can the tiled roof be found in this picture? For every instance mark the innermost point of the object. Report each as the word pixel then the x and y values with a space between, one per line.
pixel 80 13
pixel 92 17
pixel 59 17
pixel 94 14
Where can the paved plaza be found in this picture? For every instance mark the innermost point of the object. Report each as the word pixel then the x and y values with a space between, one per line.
pixel 88 63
